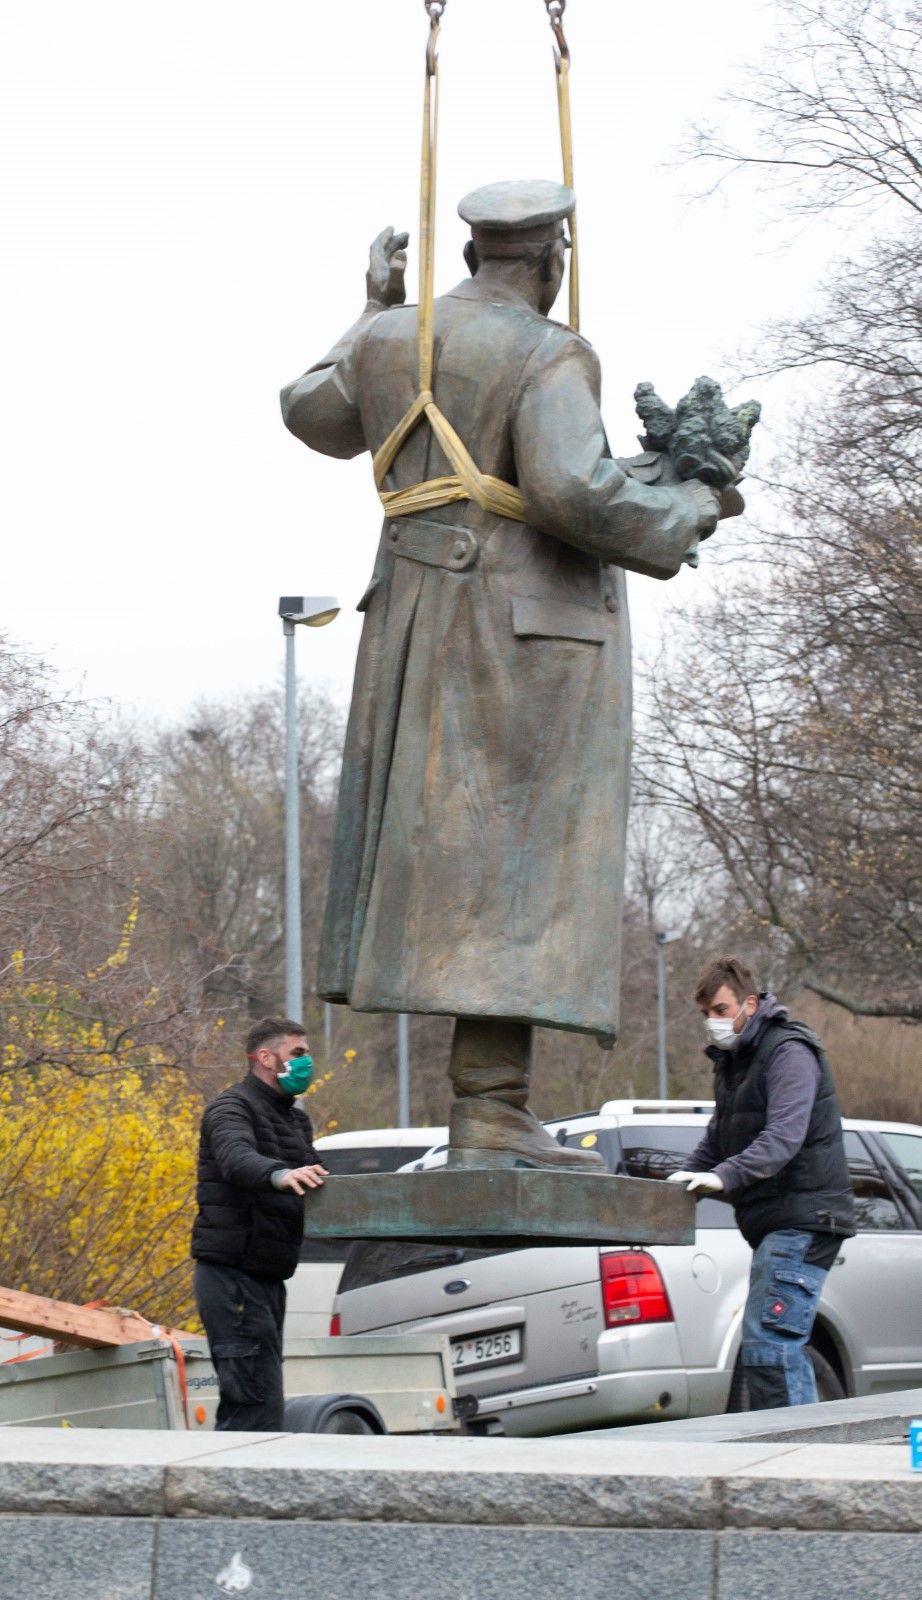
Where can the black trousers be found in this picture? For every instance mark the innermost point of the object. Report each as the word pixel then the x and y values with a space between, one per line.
pixel 243 1318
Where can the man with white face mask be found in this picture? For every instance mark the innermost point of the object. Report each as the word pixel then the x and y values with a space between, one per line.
pixel 774 1146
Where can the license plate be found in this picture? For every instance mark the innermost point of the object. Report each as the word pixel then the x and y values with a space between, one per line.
pixel 487 1349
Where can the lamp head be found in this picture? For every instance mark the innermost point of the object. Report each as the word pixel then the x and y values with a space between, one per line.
pixel 314 610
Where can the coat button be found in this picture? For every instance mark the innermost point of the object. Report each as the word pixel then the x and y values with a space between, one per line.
pixel 395 532
pixel 460 550
pixel 611 603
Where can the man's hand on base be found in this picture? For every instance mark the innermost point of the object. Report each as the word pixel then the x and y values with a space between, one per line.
pixel 300 1179
pixel 698 1182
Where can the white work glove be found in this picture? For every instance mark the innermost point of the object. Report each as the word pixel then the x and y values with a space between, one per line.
pixel 698 1182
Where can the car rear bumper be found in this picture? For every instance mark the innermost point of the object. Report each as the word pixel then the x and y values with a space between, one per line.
pixel 660 1395
pixel 641 1378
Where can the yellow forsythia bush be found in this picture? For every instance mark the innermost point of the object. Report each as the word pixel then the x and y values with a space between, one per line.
pixel 97 1181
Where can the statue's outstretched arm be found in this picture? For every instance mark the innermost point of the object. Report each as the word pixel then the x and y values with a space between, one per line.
pixel 321 408
pixel 572 487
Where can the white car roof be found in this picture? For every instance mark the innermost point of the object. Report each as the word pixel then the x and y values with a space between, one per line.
pixel 691 1113
pixel 371 1138
pixel 663 1108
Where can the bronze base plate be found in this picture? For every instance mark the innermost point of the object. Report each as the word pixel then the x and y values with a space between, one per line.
pixel 495 1206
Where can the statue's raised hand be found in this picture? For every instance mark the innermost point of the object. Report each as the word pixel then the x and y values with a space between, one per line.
pixel 387 263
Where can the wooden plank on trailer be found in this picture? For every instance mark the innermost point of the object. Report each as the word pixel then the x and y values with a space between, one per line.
pixel 96 1328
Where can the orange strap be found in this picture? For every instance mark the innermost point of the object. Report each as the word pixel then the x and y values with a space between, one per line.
pixel 170 1337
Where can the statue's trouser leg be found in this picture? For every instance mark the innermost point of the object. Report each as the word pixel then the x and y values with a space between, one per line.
pixel 491 1059
pixel 490 1069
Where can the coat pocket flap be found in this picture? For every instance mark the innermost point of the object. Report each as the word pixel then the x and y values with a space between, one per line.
pixel 235 1350
pixel 534 617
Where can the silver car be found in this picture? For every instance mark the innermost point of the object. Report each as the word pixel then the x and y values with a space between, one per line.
pixel 552 1340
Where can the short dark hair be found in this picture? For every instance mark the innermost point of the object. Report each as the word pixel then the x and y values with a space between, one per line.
pixel 729 972
pixel 270 1028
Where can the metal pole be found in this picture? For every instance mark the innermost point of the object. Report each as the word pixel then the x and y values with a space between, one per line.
pixel 403 1070
pixel 294 989
pixel 327 1030
pixel 661 1016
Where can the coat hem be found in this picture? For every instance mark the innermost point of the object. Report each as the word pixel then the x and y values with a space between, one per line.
pixel 605 1033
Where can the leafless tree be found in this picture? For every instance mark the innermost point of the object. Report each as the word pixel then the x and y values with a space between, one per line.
pixel 787 723
pixel 835 118
pixel 215 840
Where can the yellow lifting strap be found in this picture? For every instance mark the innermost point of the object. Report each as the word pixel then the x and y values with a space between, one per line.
pixel 467 482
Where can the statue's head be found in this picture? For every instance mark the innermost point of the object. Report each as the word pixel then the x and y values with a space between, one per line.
pixel 522 225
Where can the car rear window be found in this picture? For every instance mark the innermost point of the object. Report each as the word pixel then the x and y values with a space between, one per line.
pixel 655 1151
pixel 876 1209
pixel 370 1158
pixel 385 1260
pixel 354 1160
pixel 330 1251
pixel 907 1148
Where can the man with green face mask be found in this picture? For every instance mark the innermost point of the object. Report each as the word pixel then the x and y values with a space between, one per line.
pixel 256 1162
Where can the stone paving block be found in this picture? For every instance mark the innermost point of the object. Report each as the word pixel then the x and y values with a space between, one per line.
pixel 76 1558
pixel 865 1417
pixel 348 1561
pixel 491 1498
pixel 121 1446
pixel 493 1481
pixel 81 1488
pixel 471 1454
pixel 819 1566
pixel 828 1487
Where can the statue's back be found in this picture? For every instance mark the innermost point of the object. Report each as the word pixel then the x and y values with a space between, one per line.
pixel 483 346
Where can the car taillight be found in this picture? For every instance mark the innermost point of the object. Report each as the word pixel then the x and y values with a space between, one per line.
pixel 632 1289
pixel 336 1326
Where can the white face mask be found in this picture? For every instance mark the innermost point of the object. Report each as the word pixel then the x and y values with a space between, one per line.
pixel 721 1031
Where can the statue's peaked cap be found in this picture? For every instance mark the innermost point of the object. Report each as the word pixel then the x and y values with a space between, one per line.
pixel 515 207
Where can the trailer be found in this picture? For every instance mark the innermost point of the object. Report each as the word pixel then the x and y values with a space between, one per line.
pixel 401 1383
pixel 365 1384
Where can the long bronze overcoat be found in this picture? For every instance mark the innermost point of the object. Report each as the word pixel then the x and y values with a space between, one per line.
pixel 479 854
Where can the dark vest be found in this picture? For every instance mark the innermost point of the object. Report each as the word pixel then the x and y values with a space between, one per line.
pixel 244 1222
pixel 812 1192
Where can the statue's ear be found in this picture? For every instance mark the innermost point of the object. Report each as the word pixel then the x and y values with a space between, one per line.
pixel 470 258
pixel 545 263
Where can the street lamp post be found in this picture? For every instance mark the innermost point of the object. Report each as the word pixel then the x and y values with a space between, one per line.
pixel 661 940
pixel 403 1070
pixel 314 611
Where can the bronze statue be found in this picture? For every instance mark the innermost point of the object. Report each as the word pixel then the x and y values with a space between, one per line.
pixel 479 855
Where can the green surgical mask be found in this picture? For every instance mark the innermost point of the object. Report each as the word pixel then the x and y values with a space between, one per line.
pixel 299 1070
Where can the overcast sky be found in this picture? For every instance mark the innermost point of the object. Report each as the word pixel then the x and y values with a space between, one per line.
pixel 188 193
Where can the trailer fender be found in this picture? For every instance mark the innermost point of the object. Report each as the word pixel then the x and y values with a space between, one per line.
pixel 332 1413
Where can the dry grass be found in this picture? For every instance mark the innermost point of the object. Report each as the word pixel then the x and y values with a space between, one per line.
pixel 877 1063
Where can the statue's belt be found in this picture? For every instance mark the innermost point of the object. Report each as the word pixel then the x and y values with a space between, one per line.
pixel 467 482
pixel 436 544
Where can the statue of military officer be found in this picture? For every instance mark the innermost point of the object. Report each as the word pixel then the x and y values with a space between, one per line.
pixel 478 864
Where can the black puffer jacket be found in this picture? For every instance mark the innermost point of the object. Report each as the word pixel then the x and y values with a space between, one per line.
pixel 249 1132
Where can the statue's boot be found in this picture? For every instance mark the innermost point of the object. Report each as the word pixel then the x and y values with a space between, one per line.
pixel 490 1123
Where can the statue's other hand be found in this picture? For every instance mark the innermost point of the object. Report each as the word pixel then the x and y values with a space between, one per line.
pixel 732 503
pixel 387 263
